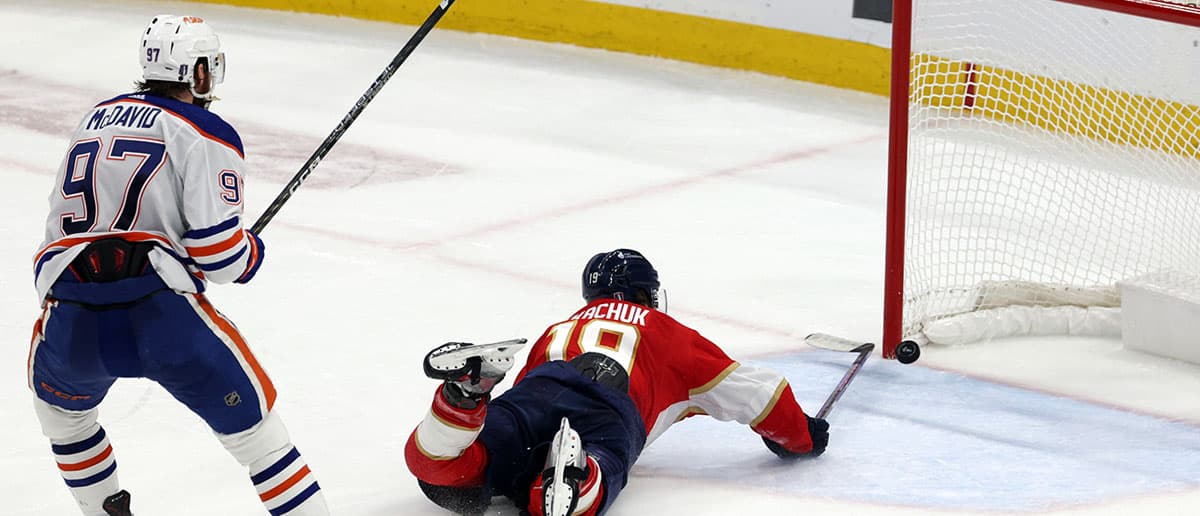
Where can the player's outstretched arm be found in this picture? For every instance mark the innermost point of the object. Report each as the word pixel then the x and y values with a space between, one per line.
pixel 755 396
pixel 788 431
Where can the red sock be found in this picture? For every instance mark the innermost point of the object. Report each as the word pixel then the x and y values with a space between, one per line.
pixel 591 493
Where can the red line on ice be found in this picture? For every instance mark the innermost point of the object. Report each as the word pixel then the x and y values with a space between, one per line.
pixel 570 209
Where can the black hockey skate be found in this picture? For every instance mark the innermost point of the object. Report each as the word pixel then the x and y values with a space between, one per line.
pixel 118 504
pixel 471 370
pixel 566 471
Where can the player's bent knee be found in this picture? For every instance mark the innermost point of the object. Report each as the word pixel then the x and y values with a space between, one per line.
pixel 468 501
pixel 59 424
pixel 267 437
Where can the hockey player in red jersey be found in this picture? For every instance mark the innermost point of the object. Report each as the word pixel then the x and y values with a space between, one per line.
pixel 146 209
pixel 595 390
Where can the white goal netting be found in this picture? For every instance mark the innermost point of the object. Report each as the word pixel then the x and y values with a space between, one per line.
pixel 1053 152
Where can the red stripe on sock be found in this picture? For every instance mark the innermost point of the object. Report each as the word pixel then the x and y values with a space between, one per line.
pixel 291 481
pixel 87 463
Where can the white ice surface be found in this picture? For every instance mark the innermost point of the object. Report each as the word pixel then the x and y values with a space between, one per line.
pixel 462 205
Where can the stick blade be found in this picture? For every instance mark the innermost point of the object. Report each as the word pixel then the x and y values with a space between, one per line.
pixel 833 343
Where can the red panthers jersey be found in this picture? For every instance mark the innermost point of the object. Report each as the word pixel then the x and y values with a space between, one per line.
pixel 674 372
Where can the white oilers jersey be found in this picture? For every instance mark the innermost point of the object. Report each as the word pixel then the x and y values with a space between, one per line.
pixel 146 168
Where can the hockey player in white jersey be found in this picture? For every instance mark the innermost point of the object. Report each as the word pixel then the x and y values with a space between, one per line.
pixel 147 208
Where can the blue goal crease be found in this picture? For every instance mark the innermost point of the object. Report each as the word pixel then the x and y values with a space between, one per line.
pixel 919 437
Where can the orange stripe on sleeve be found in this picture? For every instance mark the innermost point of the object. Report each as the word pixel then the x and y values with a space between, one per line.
pixel 217 248
pixel 231 331
pixel 253 258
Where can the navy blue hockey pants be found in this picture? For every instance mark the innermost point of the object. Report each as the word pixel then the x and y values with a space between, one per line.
pixel 521 423
pixel 177 340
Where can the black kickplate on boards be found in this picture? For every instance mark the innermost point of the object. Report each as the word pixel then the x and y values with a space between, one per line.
pixel 880 10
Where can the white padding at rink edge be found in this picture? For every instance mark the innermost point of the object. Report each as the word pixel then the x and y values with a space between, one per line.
pixel 1011 321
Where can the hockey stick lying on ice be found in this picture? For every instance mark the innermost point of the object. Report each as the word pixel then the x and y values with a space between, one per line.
pixel 823 341
pixel 338 131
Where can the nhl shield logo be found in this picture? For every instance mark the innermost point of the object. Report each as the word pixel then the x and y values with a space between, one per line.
pixel 232 399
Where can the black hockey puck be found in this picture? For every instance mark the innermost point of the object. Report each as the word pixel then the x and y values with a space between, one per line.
pixel 908 352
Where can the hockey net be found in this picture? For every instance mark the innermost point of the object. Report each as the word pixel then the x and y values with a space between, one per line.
pixel 1045 151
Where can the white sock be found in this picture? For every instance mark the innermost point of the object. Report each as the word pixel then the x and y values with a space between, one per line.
pixel 286 486
pixel 88 466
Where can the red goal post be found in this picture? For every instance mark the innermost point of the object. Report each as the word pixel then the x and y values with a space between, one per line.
pixel 1040 152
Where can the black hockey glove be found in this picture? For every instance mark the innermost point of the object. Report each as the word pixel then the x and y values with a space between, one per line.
pixel 817 428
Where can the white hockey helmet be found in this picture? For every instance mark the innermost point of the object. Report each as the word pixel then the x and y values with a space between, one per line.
pixel 172 45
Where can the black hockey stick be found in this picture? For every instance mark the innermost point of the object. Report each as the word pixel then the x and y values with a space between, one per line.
pixel 338 131
pixel 823 341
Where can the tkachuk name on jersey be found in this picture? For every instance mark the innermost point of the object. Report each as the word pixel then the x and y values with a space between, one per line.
pixel 623 312
pixel 123 115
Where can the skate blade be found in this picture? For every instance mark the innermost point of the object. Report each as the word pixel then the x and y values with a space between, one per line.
pixel 560 496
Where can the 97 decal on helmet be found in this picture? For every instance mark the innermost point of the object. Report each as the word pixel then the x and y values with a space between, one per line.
pixel 173 45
